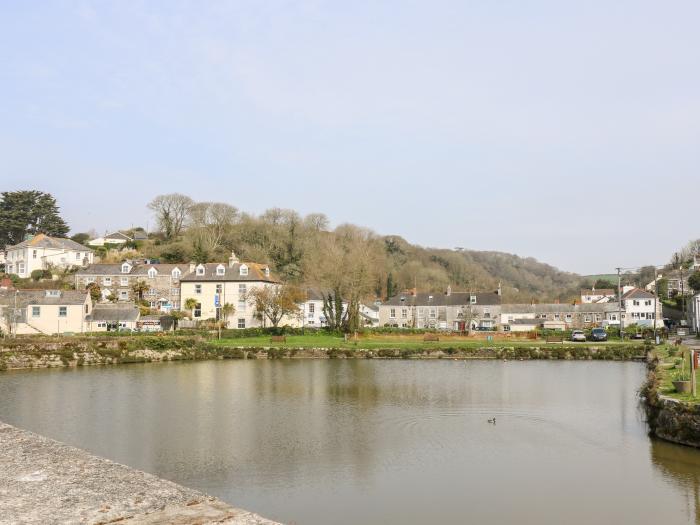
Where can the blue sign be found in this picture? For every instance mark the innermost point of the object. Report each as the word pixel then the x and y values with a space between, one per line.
pixel 217 301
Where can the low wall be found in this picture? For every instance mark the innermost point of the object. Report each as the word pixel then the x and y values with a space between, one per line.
pixel 44 482
pixel 49 353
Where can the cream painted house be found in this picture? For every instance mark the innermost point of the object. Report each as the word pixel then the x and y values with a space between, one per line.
pixel 42 252
pixel 212 285
pixel 44 311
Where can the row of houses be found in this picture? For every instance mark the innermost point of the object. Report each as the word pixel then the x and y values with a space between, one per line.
pixel 485 311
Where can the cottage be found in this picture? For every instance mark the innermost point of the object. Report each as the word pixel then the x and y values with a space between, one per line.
pixel 213 285
pixel 44 311
pixel 42 252
pixel 557 316
pixel 160 282
pixel 457 311
pixel 641 307
pixel 603 295
pixel 113 317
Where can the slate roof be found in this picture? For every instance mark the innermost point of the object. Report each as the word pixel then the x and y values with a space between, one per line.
pixel 441 299
pixel 101 269
pixel 638 293
pixel 554 308
pixel 256 272
pixel 44 241
pixel 114 312
pixel 140 269
pixel 161 268
pixel 39 297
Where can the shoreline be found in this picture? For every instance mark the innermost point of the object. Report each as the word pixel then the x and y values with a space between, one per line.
pixel 45 481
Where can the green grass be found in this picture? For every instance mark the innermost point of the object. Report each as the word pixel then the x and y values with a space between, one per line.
pixel 667 368
pixel 398 342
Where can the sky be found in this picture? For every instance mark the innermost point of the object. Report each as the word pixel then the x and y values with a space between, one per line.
pixel 565 131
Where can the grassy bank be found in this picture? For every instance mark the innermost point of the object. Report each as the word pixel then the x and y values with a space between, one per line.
pixel 673 361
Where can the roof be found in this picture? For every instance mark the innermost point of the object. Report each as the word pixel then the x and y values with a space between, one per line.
pixel 256 272
pixel 39 297
pixel 114 312
pixel 442 299
pixel 602 291
pixel 44 241
pixel 139 235
pixel 555 308
pixel 637 293
pixel 139 269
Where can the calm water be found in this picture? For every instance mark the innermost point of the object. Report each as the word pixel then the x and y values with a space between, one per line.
pixel 377 442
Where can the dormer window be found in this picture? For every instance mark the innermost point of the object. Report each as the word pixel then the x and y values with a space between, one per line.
pixel 176 273
pixel 472 299
pixel 126 268
pixel 53 293
pixel 267 272
pixel 200 269
pixel 244 269
pixel 152 272
pixel 220 270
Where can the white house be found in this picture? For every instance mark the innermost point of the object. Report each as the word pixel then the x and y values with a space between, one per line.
pixel 42 252
pixel 641 307
pixel 115 238
pixel 593 296
pixel 213 285
pixel 694 313
pixel 113 317
pixel 44 311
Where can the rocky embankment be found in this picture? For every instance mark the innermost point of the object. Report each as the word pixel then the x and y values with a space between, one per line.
pixel 61 352
pixel 46 482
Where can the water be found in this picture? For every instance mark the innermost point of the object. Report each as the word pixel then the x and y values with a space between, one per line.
pixel 377 442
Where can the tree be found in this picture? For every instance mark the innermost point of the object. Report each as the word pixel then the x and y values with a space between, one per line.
pixel 191 304
pixel 662 288
pixel 276 302
pixel 694 281
pixel 95 291
pixel 80 238
pixel 140 288
pixel 390 286
pixel 333 310
pixel 227 310
pixel 29 212
pixel 171 212
pixel 209 222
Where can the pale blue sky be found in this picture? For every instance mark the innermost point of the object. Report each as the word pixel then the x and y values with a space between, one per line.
pixel 566 131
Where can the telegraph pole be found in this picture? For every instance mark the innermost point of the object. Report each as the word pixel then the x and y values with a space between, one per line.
pixel 656 298
pixel 619 301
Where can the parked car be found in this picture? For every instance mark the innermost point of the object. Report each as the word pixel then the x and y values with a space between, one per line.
pixel 599 334
pixel 578 335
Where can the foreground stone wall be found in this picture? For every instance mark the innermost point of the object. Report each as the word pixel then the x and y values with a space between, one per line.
pixel 45 482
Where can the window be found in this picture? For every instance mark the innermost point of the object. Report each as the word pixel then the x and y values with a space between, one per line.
pixel 152 272
pixel 198 288
pixel 63 311
pixel 124 281
pixel 126 268
pixel 312 309
pixel 174 291
pixel 151 291
pixel 267 272
pixel 89 280
pixel 635 303
pixel 587 319
pixel 33 254
pixel 404 313
pixel 20 267
pixel 241 323
pixel 506 328
pixel 244 269
pixel 107 281
pixel 87 309
pixel 472 299
pixel 77 256
pixel 176 273
pixel 200 270
pixel 557 316
pixel 647 303
pixel 152 304
pixel 568 317
pixel 433 313
pixel 487 313
pixel 197 310
pixel 123 295
pixel 36 311
pixel 392 313
pixel 220 270
pixel 219 288
pixel 242 289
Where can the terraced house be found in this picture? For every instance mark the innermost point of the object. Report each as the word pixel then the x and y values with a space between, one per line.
pixel 42 252
pixel 457 311
pixel 161 282
pixel 213 285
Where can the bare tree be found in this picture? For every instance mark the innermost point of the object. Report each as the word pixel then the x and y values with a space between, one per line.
pixel 210 222
pixel 171 212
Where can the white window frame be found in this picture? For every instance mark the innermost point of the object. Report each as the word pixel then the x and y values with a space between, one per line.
pixel 63 311
pixel 198 289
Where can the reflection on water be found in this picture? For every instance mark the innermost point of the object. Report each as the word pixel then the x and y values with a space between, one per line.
pixel 345 441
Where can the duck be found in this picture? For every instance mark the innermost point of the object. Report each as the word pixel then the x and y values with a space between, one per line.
pixel 492 420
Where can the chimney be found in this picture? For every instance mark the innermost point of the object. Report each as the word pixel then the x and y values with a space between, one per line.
pixel 499 291
pixel 192 267
pixel 449 290
pixel 232 260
